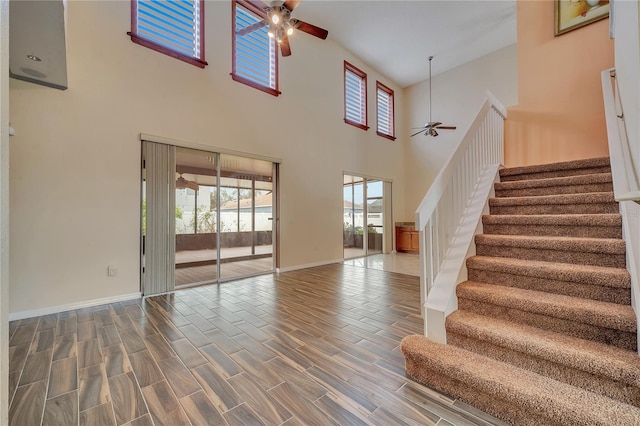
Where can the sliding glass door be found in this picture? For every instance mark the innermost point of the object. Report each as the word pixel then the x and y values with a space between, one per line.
pixel 246 216
pixel 366 218
pixel 222 216
pixel 196 223
pixel 353 210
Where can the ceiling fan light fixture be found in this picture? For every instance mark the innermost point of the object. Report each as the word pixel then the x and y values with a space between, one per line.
pixel 289 28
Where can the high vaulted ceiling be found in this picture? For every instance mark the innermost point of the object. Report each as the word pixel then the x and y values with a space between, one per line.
pixel 397 37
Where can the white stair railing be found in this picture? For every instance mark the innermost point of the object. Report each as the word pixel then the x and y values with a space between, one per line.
pixel 626 185
pixel 450 214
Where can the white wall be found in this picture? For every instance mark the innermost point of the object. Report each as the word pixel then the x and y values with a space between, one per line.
pixel 79 150
pixel 627 60
pixel 4 212
pixel 457 96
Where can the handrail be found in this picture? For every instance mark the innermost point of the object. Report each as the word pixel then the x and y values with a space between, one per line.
pixel 448 215
pixel 626 185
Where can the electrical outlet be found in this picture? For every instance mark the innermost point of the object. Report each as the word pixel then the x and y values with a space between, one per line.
pixel 112 271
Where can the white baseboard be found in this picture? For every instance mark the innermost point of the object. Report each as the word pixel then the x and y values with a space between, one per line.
pixel 72 306
pixel 310 265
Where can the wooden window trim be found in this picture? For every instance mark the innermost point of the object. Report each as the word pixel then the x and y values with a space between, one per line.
pixel 389 91
pixel 363 75
pixel 198 62
pixel 253 7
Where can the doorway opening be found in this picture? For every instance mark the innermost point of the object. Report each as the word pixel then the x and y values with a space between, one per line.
pixel 366 216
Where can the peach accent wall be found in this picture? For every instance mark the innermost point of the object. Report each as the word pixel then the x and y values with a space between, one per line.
pixel 560 114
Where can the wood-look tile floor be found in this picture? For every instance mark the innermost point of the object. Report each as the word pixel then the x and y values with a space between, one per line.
pixel 318 346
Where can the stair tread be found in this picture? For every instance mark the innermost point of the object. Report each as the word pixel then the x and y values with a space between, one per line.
pixel 594 178
pixel 550 167
pixel 601 219
pixel 585 274
pixel 561 402
pixel 593 312
pixel 593 357
pixel 587 245
pixel 582 198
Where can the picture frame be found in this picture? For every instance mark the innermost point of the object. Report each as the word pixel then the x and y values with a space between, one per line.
pixel 573 14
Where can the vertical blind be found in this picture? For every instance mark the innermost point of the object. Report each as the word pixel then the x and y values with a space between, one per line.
pixel 255 53
pixel 355 98
pixel 159 248
pixel 385 112
pixel 174 24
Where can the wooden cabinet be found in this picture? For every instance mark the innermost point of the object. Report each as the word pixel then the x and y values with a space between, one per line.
pixel 407 239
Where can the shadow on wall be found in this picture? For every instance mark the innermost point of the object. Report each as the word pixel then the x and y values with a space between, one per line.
pixel 539 138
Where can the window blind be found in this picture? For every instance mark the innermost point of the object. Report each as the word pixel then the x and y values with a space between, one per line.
pixel 159 188
pixel 355 98
pixel 385 112
pixel 173 24
pixel 255 54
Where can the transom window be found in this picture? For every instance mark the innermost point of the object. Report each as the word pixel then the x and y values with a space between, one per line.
pixel 255 58
pixel 384 111
pixel 175 28
pixel 355 96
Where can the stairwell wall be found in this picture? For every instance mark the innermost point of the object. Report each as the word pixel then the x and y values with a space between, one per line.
pixel 560 112
pixel 457 97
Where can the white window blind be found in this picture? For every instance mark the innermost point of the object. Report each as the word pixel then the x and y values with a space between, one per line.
pixel 255 52
pixel 355 97
pixel 384 111
pixel 172 24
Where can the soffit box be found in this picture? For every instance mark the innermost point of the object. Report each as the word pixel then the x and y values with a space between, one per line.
pixel 37 45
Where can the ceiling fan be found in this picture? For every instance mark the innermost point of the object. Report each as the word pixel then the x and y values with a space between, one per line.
pixel 431 126
pixel 182 183
pixel 282 25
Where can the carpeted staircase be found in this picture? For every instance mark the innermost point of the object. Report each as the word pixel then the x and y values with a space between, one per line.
pixel 544 332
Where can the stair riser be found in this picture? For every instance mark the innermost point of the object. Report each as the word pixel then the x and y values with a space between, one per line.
pixel 621 296
pixel 554 190
pixel 557 173
pixel 594 383
pixel 546 255
pixel 554 230
pixel 619 338
pixel 510 411
pixel 596 208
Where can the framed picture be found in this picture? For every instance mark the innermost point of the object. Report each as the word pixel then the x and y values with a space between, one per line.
pixel 572 14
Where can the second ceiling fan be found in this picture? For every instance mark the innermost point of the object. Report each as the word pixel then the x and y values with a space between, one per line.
pixel 429 129
pixel 282 25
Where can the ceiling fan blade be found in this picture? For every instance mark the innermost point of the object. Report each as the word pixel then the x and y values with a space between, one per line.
pixel 311 29
pixel 292 4
pixel 285 48
pixel 192 185
pixel 417 133
pixel 251 28
pixel 434 124
pixel 447 127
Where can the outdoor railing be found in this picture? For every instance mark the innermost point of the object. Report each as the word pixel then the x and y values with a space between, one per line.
pixel 450 213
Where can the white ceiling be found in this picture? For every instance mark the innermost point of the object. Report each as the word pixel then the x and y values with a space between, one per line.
pixel 397 37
